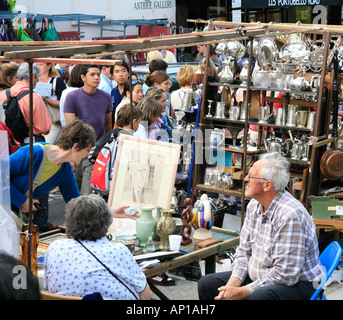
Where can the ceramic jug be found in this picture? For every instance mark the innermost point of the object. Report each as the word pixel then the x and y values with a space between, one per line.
pixel 217 138
pixel 145 224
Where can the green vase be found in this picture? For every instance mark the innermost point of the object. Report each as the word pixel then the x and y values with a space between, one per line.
pixel 145 224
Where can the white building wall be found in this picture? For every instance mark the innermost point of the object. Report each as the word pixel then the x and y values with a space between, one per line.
pixel 111 9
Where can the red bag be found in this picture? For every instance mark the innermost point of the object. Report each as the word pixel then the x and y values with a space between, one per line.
pixel 13 144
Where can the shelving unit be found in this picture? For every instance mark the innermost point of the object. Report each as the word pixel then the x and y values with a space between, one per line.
pixel 307 171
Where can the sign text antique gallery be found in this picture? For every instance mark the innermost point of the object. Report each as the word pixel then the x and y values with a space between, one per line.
pixel 149 5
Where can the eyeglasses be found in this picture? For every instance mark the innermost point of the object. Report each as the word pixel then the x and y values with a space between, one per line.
pixel 249 176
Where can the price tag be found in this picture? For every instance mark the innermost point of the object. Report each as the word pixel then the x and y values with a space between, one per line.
pixel 339 210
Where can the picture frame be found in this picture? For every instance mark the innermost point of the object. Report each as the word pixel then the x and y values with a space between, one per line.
pixel 144 172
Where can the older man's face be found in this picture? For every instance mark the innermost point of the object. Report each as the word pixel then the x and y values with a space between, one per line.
pixel 254 183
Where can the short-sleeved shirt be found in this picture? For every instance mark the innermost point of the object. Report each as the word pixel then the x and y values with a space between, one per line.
pixel 69 269
pixel 91 108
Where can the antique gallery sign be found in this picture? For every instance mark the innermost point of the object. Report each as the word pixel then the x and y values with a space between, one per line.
pixel 288 3
pixel 151 5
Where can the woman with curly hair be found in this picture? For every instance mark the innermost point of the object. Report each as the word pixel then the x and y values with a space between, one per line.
pixel 87 262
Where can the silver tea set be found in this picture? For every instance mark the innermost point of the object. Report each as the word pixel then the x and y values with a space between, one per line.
pixel 296 149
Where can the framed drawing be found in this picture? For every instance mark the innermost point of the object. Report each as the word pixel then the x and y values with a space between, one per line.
pixel 144 172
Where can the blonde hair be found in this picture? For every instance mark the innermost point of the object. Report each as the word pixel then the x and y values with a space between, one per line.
pixel 152 55
pixel 185 75
pixel 155 93
pixel 53 73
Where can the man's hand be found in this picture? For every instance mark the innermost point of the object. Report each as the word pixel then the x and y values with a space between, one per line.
pixel 228 292
pixel 25 207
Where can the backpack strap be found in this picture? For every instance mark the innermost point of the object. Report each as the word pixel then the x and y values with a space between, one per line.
pixel 39 172
pixel 19 96
pixel 22 94
pixel 54 82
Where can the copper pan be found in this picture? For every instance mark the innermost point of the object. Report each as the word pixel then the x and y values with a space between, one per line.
pixel 331 163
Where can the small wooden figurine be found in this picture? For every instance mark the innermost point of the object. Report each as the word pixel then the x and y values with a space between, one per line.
pixel 186 217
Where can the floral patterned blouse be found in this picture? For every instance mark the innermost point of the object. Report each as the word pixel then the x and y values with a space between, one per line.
pixel 69 269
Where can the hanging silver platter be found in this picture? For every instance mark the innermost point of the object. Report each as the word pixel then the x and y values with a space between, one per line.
pixel 268 52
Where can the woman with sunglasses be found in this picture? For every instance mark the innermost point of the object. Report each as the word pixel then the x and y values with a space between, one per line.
pixel 136 96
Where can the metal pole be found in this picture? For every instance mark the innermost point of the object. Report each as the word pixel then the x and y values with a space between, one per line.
pixel 29 257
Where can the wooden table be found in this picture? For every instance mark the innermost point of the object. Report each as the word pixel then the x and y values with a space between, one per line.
pixel 333 224
pixel 229 239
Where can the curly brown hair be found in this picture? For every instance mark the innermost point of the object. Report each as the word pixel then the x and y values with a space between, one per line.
pixel 78 132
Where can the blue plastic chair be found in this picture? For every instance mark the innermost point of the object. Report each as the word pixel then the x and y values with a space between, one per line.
pixel 329 260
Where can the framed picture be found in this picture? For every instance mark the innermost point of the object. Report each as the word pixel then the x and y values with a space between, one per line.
pixel 144 172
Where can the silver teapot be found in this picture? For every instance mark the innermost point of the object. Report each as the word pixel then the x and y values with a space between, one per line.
pixel 274 144
pixel 226 180
pixel 297 150
pixel 226 76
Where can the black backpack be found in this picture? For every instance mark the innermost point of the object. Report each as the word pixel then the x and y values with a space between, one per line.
pixel 14 118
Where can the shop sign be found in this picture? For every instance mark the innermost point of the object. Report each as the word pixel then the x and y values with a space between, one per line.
pixel 152 5
pixel 288 3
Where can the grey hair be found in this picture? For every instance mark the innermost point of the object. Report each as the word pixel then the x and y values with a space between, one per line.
pixel 276 169
pixel 87 218
pixel 23 71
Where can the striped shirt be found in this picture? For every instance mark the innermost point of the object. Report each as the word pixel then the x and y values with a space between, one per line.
pixel 278 246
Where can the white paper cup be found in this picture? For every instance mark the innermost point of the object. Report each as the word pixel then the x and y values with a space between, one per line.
pixel 131 210
pixel 175 242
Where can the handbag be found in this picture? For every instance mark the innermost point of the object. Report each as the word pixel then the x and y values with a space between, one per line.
pixel 12 35
pixel 22 34
pixel 51 34
pixel 107 268
pixel 34 35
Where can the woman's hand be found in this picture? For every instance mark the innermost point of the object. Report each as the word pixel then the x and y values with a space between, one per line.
pixel 120 213
pixel 26 206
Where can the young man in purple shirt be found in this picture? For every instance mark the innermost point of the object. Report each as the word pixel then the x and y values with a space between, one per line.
pixel 94 106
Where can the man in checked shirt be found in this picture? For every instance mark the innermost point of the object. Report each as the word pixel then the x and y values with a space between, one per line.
pixel 278 256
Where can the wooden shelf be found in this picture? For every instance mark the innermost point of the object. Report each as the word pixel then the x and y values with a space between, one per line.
pixel 206 188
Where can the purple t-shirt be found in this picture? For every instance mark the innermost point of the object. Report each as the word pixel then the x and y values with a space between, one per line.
pixel 91 108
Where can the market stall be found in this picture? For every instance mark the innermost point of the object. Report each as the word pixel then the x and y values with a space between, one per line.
pixel 300 68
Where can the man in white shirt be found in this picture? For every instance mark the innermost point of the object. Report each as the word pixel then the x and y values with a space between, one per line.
pixel 106 76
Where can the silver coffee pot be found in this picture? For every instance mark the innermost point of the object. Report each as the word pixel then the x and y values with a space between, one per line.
pixel 226 76
pixel 243 76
